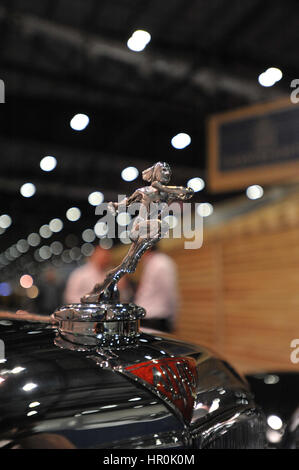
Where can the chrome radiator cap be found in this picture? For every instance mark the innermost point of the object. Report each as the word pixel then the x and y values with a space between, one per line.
pixel 107 324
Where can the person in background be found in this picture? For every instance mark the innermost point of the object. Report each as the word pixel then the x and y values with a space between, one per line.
pixel 158 291
pixel 50 291
pixel 127 289
pixel 83 279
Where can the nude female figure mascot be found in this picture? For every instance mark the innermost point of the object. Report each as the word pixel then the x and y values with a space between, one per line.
pixel 148 227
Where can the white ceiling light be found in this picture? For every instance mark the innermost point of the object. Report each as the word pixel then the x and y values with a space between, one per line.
pixel 37 257
pixel 66 256
pixel 45 231
pixel 56 225
pixel 101 229
pixel 34 404
pixel 22 246
pixel 205 209
pixel 29 386
pixel 123 218
pixel 274 422
pixel 181 140
pixel 27 189
pixel 48 163
pixel 17 370
pixel 270 77
pixel 88 235
pixel 171 220
pixel 125 237
pixel 197 184
pixel 254 192
pixel 87 249
pixel 73 214
pixel 106 243
pixel 5 221
pixel 56 248
pixel 79 122
pixel 33 239
pixel 45 252
pixel 75 253
pixel 130 173
pixel 14 252
pixel 96 198
pixel 139 40
pixel 8 255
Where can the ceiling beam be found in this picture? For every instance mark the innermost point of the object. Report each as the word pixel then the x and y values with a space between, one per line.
pixel 147 63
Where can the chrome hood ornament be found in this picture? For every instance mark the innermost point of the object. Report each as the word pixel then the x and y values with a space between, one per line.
pixel 148 228
pixel 100 318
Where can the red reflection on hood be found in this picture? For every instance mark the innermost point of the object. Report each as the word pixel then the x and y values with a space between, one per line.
pixel 174 379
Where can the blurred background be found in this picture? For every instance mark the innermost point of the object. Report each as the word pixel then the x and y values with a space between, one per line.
pixel 97 91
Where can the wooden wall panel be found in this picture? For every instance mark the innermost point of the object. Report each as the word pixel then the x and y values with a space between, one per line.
pixel 240 291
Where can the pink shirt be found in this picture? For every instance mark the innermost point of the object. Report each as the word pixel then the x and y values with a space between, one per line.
pixel 82 281
pixel 158 290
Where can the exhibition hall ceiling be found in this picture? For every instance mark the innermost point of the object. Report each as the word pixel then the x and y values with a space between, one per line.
pixel 63 57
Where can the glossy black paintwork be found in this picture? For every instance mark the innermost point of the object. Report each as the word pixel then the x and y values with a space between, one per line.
pixel 82 399
pixel 277 393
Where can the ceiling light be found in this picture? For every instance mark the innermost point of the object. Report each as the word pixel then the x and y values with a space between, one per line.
pixel 48 163
pixel 181 140
pixel 56 225
pixel 26 281
pixel 3 259
pixel 45 231
pixel 125 237
pixel 45 252
pixel 73 214
pixel 8 255
pixel 66 256
pixel 271 379
pixel 274 422
pixel 205 209
pixel 37 257
pixel 33 239
pixel 75 253
pixel 32 292
pixel 87 249
pixel 17 370
pixel 101 229
pixel 139 40
pixel 5 221
pixel 14 252
pixel 130 173
pixel 88 235
pixel 254 192
pixel 96 198
pixel 79 122
pixel 270 77
pixel 34 404
pixel 171 220
pixel 123 218
pixel 22 246
pixel 56 248
pixel 106 243
pixel 197 184
pixel 29 386
pixel 27 189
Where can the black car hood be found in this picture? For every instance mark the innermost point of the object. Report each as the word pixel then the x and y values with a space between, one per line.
pixel 93 398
